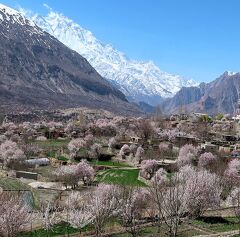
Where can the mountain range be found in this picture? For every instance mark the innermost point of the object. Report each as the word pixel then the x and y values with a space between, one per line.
pixel 38 71
pixel 139 81
pixel 51 62
pixel 218 96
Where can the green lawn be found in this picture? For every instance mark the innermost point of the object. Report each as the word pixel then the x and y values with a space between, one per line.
pixel 120 176
pixel 218 224
pixel 109 163
pixel 59 229
pixel 63 229
pixel 153 231
pixel 12 184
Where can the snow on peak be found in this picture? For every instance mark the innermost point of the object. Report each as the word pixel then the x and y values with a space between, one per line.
pixel 140 81
pixel 8 10
pixel 13 16
pixel 230 73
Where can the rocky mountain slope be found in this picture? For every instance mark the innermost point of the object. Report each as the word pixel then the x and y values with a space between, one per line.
pixel 218 96
pixel 38 71
pixel 139 81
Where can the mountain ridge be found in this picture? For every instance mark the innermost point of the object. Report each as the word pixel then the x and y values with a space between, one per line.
pixel 139 81
pixel 38 71
pixel 218 96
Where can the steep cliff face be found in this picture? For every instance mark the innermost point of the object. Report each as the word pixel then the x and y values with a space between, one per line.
pixel 38 71
pixel 218 96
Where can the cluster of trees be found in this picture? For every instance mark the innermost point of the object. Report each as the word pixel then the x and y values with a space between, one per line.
pixel 134 152
pixel 169 200
pixel 87 145
pixel 115 126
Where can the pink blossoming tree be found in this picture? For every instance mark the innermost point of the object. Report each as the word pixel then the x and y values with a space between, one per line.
pixel 148 168
pixel 10 153
pixel 75 145
pixel 14 215
pixel 207 160
pixel 187 155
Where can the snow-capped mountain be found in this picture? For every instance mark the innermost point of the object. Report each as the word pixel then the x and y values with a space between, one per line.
pixel 139 81
pixel 37 71
pixel 13 16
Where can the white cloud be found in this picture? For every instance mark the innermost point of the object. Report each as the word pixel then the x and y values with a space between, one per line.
pixel 46 6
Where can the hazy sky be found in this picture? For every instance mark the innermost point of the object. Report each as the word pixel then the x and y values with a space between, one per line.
pixel 198 39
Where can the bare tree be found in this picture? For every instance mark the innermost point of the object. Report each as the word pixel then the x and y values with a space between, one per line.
pixel 146 130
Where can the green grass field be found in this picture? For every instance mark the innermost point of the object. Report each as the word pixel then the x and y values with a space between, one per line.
pixel 153 231
pixel 59 229
pixel 109 163
pixel 184 230
pixel 7 183
pixel 120 176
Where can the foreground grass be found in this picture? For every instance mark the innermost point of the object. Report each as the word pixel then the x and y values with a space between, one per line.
pixel 153 232
pixel 59 229
pixel 184 230
pixel 218 224
pixel 213 224
pixel 120 176
pixel 65 229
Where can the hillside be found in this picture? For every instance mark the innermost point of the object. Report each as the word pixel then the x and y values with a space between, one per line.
pixel 38 71
pixel 218 96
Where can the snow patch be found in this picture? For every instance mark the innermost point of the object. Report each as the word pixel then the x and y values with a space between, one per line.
pixel 8 10
pixel 230 73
